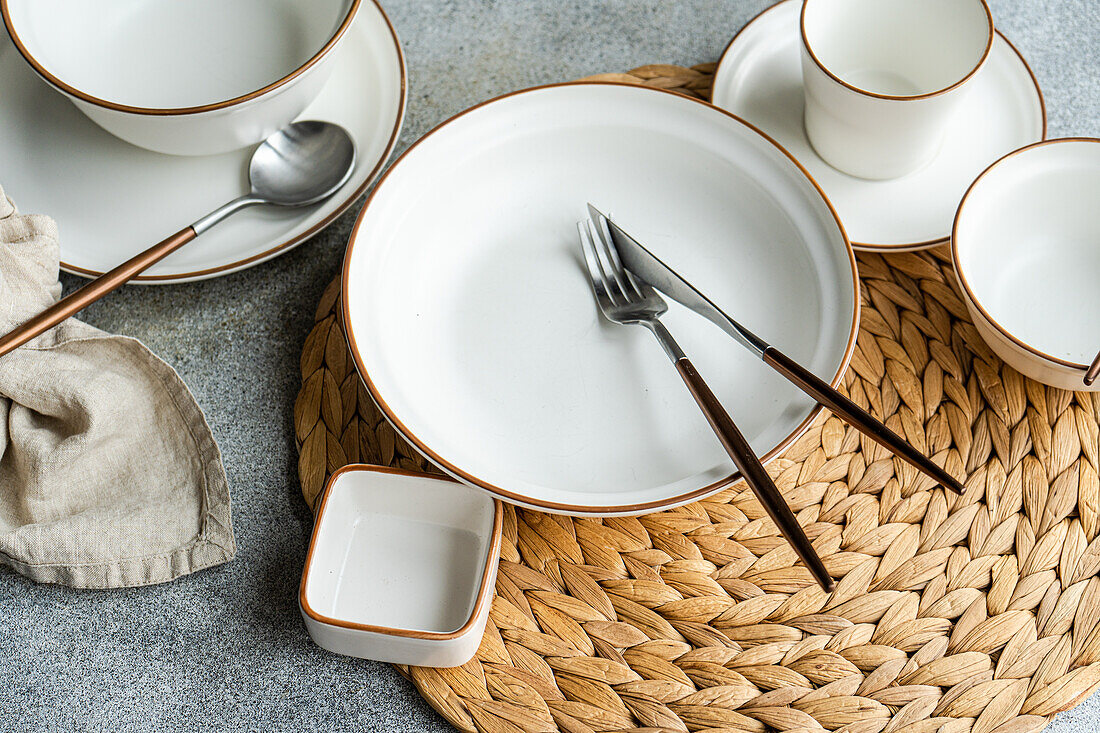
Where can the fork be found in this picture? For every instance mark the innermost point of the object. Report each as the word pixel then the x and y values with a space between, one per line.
pixel 625 300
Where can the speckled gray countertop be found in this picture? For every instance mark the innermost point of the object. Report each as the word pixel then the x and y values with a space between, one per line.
pixel 225 649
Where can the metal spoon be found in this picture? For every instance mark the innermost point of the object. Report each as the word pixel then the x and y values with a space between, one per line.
pixel 302 164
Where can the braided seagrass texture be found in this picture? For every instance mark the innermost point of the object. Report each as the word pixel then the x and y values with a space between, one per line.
pixel 976 614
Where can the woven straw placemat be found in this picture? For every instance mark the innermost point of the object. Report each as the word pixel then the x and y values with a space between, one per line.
pixel 951 614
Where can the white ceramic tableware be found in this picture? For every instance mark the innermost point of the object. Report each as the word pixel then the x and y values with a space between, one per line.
pixel 472 322
pixel 1026 247
pixel 760 79
pixel 111 199
pixel 188 78
pixel 882 78
pixel 401 567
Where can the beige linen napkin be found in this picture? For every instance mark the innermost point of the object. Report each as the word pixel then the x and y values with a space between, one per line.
pixel 109 476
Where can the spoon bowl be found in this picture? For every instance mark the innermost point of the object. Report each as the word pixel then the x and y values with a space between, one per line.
pixel 302 164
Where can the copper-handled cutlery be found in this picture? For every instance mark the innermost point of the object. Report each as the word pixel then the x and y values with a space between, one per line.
pixel 1093 371
pixel 302 164
pixel 646 267
pixel 626 300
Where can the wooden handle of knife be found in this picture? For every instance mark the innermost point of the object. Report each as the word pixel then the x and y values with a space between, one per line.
pixel 856 416
pixel 753 471
pixel 93 291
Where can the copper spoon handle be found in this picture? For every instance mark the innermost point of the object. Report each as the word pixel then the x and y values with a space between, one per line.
pixel 1093 372
pixel 93 291
pixel 753 471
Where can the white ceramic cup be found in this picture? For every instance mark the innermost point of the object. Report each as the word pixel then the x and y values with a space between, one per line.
pixel 187 78
pixel 882 78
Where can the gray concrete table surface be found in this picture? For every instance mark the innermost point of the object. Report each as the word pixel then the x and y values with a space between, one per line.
pixel 225 649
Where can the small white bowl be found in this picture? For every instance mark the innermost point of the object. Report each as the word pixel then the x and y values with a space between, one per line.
pixel 401 567
pixel 1026 248
pixel 188 78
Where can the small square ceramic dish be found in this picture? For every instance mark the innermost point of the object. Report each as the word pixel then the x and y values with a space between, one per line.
pixel 401 567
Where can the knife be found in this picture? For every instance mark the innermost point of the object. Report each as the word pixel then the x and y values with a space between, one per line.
pixel 645 265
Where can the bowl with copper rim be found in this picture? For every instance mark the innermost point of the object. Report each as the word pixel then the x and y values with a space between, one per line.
pixel 470 316
pixel 1026 249
pixel 194 78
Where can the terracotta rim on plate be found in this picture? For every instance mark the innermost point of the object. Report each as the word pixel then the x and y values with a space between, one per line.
pixel 961 276
pixel 892 97
pixel 510 496
pixel 173 111
pixel 484 591
pixel 905 246
pixel 340 209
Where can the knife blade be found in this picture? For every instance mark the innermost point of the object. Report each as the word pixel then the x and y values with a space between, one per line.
pixel 647 266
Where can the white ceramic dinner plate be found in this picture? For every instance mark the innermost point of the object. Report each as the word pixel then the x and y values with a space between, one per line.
pixel 111 200
pixel 760 79
pixel 471 319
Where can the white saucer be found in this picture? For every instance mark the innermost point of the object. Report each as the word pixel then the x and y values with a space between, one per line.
pixel 760 79
pixel 112 200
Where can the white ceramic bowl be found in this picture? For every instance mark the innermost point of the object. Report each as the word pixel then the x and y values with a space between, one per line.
pixel 401 567
pixel 188 78
pixel 471 317
pixel 1026 247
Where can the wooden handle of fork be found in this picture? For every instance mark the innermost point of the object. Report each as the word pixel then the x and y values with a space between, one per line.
pixel 753 471
pixel 93 291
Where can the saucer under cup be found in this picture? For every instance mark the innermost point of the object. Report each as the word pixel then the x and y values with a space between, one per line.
pixel 760 80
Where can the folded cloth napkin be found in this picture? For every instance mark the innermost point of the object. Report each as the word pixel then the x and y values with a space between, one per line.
pixel 109 475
